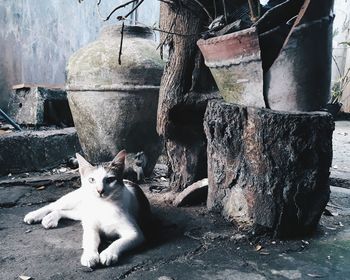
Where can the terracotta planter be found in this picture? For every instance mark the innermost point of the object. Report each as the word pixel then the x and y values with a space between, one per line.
pixel 114 106
pixel 235 62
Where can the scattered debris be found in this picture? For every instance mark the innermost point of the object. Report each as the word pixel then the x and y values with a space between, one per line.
pixel 23 277
pixel 72 163
pixel 343 133
pixel 258 247
pixel 315 275
pixel 165 278
pixel 159 188
pixel 289 274
pixel 330 228
pixel 328 212
pixel 2 132
pixel 237 237
pixel 62 170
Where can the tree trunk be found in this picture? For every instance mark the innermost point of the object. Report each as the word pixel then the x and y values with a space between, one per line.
pixel 267 168
pixel 185 88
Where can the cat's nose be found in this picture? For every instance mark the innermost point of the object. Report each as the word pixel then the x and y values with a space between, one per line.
pixel 100 191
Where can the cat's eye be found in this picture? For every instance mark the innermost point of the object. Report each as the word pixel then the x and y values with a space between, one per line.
pixel 110 179
pixel 91 180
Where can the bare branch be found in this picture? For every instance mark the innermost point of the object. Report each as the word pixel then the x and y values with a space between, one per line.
pixel 138 4
pixel 115 9
pixel 225 12
pixel 204 9
pixel 121 45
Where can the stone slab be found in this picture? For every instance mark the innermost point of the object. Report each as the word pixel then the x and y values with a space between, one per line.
pixel 9 196
pixel 36 150
pixel 38 105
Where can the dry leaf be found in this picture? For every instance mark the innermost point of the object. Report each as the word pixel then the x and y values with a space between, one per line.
pixel 305 242
pixel 41 188
pixel 258 247
pixel 2 132
pixel 330 228
pixel 23 277
pixel 314 275
pixel 327 212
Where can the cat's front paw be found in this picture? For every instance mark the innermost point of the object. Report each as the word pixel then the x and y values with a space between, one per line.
pixel 32 217
pixel 51 220
pixel 90 259
pixel 107 257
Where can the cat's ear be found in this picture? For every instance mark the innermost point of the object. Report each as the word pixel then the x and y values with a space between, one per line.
pixel 118 164
pixel 83 164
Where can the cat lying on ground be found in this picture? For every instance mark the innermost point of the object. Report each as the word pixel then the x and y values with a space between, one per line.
pixel 104 204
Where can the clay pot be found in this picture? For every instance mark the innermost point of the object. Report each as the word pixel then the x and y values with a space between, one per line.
pixel 294 78
pixel 235 63
pixel 114 106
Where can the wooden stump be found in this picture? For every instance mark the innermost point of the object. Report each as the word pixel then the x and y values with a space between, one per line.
pixel 268 169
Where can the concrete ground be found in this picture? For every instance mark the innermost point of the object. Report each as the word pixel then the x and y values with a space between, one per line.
pixel 190 242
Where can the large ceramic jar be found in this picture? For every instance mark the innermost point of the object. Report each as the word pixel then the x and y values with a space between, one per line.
pixel 114 106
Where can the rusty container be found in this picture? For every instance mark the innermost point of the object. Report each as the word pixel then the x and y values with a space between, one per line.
pixel 300 78
pixel 235 62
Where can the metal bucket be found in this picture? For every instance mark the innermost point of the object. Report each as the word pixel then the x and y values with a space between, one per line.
pixel 300 77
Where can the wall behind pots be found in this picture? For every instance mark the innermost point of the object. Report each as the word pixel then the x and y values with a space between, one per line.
pixel 37 37
pixel 341 53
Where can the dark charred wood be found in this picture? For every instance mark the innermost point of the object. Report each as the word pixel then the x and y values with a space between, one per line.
pixel 268 169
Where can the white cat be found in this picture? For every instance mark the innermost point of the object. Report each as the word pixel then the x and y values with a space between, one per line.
pixel 105 203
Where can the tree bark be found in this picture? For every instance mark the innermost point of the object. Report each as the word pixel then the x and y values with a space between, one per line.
pixel 268 169
pixel 185 88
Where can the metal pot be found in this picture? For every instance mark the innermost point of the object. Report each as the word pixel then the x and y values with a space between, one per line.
pixel 300 78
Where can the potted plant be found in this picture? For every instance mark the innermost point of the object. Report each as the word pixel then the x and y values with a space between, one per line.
pixel 282 61
pixel 337 91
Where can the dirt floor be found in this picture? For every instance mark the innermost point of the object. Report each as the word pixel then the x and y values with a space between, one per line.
pixel 190 242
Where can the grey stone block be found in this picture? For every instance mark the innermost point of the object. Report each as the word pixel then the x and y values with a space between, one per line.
pixel 36 150
pixel 268 169
pixel 39 105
